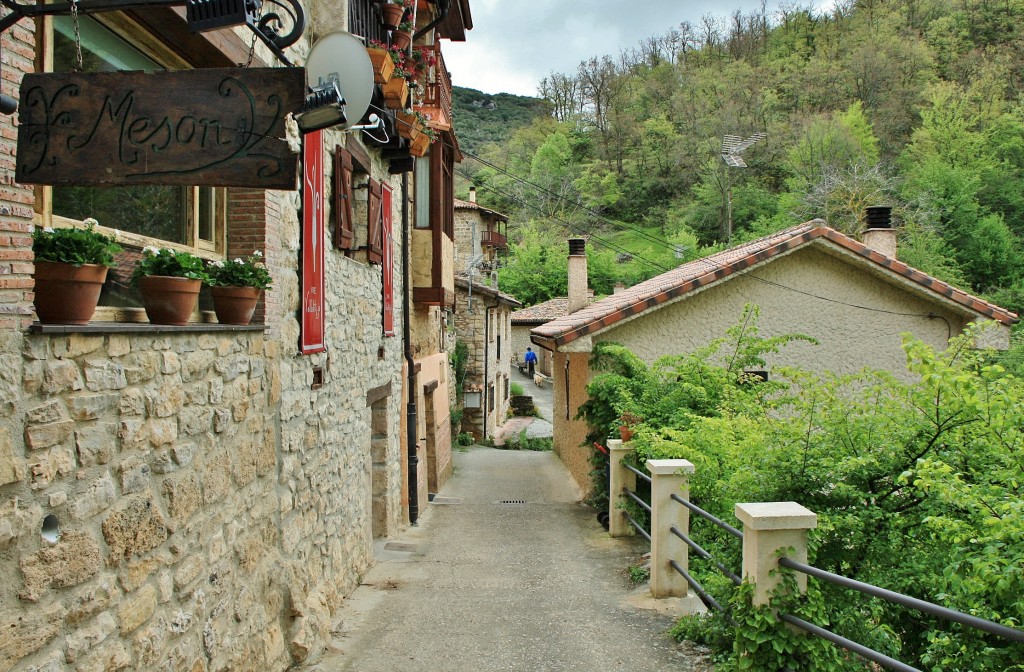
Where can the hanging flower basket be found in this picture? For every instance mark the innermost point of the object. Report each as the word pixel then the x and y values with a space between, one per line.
pixel 383 64
pixel 392 15
pixel 409 125
pixel 396 93
pixel 401 39
pixel 420 145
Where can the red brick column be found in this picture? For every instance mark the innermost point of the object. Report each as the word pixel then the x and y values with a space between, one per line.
pixel 17 55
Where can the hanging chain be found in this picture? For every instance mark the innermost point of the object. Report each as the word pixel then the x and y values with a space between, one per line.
pixel 78 35
pixel 252 50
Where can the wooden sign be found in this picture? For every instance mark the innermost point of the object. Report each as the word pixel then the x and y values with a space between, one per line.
pixel 312 242
pixel 218 127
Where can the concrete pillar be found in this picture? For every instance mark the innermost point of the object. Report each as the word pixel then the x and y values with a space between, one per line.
pixel 669 477
pixel 620 478
pixel 767 529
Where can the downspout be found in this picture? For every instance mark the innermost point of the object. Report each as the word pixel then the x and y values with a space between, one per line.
pixel 410 407
pixel 442 7
pixel 487 358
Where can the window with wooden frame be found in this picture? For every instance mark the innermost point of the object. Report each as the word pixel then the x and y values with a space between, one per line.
pixel 192 219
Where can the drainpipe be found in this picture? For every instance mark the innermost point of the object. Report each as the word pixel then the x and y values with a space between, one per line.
pixel 442 7
pixel 410 407
pixel 487 359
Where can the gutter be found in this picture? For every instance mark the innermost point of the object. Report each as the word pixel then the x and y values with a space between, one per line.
pixel 411 411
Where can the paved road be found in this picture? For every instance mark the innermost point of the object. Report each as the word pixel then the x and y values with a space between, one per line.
pixel 483 584
pixel 542 395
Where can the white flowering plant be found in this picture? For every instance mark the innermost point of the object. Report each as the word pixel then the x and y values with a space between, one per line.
pixel 240 272
pixel 74 245
pixel 174 263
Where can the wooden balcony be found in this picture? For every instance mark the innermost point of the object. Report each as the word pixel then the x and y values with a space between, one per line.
pixel 437 95
pixel 494 239
pixel 364 20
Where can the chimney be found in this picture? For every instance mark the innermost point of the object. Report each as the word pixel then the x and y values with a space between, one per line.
pixel 472 194
pixel 879 233
pixel 619 288
pixel 578 274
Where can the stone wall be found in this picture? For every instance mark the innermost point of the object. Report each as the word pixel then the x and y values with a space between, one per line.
pixel 189 501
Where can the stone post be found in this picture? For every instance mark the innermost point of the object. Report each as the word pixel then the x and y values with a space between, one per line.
pixel 767 529
pixel 669 477
pixel 620 478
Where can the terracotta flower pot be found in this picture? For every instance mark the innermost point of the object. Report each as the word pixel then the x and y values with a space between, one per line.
pixel 67 294
pixel 625 432
pixel 169 300
pixel 235 305
pixel 401 39
pixel 396 92
pixel 392 15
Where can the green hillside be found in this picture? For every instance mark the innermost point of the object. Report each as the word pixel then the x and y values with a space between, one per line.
pixel 482 118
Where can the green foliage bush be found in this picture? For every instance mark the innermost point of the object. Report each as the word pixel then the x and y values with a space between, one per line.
pixel 174 263
pixel 75 246
pixel 240 272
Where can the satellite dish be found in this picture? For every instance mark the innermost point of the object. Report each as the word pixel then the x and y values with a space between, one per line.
pixel 342 57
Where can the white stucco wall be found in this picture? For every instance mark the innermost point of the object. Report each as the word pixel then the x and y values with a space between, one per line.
pixel 849 338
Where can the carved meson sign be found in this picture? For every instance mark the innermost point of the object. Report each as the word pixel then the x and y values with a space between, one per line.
pixel 219 127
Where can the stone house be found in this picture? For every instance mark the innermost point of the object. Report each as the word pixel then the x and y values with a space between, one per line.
pixel 482 321
pixel 204 497
pixel 809 279
pixel 482 315
pixel 525 319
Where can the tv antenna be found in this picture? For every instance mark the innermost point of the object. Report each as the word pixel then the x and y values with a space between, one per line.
pixel 732 154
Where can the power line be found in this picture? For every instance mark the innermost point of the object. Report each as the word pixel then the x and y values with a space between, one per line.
pixel 574 227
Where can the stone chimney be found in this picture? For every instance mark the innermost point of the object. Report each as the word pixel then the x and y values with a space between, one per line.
pixel 879 233
pixel 472 194
pixel 619 288
pixel 578 274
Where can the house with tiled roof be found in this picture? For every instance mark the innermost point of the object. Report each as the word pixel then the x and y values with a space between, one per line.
pixel 856 298
pixel 525 319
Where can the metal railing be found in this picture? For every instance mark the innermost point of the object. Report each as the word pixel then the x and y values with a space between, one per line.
pixel 914 603
pixel 709 601
pixel 639 502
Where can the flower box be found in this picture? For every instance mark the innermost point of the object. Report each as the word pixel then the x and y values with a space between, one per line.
pixel 383 64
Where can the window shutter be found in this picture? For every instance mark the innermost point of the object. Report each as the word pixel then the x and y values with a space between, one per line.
pixel 374 241
pixel 343 229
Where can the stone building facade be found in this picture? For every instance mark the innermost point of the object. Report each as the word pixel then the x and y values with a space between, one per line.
pixel 204 497
pixel 483 322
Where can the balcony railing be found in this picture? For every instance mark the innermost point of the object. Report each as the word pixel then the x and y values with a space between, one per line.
pixel 437 95
pixel 364 19
pixel 494 239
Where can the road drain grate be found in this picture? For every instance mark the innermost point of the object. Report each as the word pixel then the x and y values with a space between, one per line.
pixel 512 501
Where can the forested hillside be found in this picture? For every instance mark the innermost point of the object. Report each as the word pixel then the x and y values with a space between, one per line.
pixel 483 118
pixel 909 103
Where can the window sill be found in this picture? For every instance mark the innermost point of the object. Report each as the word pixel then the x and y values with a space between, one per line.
pixel 140 328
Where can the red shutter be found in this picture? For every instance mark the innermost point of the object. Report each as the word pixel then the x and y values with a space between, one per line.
pixel 343 229
pixel 374 246
pixel 387 231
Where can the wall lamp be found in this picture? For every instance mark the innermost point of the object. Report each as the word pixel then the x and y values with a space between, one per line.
pixel 324 107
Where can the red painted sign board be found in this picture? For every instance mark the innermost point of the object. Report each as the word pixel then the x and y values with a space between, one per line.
pixel 388 261
pixel 312 244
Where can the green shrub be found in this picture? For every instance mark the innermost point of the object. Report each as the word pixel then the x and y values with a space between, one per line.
pixel 73 245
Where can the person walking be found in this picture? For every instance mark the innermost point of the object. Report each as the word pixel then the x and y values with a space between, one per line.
pixel 531 361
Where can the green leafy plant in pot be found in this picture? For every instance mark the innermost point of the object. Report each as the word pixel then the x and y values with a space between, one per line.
pixel 236 286
pixel 170 281
pixel 70 268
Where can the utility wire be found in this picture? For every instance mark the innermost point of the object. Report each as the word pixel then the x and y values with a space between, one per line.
pixel 573 227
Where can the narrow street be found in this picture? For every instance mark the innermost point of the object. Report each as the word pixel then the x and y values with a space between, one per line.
pixel 506 571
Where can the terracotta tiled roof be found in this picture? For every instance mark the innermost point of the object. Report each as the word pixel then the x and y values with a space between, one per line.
pixel 702 272
pixel 470 205
pixel 542 312
pixel 462 282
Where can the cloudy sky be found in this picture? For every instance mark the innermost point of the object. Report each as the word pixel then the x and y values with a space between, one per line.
pixel 515 43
